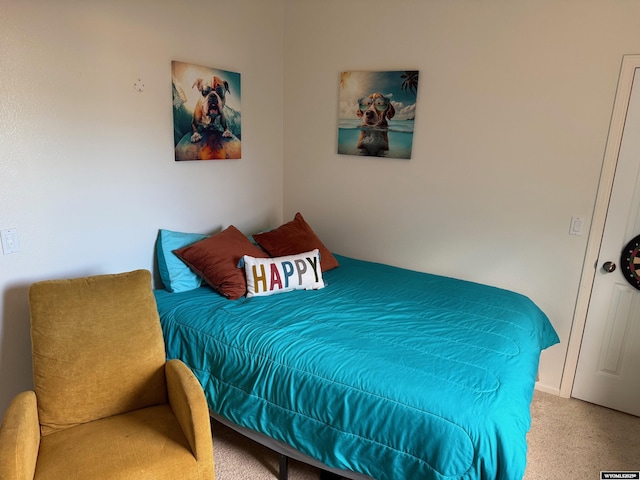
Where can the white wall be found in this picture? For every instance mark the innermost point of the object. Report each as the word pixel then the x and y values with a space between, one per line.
pixel 87 173
pixel 513 110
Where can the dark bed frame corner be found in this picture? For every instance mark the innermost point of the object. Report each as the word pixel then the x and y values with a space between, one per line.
pixel 286 452
pixel 284 471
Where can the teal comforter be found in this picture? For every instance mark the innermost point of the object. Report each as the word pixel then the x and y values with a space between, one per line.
pixel 388 372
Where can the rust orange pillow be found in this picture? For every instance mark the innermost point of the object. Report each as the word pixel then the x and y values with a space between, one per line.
pixel 216 258
pixel 295 237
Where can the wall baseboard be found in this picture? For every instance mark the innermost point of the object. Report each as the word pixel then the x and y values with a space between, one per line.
pixel 546 389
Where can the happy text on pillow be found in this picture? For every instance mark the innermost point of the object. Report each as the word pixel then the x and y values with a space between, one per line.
pixel 273 275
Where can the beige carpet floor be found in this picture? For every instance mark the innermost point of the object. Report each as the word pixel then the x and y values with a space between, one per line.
pixel 569 439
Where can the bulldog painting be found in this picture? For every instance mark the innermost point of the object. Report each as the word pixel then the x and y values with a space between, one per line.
pixel 206 113
pixel 210 106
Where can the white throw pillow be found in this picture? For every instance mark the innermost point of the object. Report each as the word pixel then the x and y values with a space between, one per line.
pixel 266 276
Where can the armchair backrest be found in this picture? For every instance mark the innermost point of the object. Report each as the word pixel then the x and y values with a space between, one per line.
pixel 97 348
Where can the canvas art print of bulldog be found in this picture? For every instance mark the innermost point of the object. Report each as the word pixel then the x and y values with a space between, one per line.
pixel 209 107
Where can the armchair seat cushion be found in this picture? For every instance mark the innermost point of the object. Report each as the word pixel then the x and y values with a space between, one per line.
pixel 142 444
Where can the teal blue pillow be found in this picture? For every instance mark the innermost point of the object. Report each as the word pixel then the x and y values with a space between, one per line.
pixel 175 274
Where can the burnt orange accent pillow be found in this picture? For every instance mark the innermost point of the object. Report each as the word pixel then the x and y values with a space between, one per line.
pixel 215 259
pixel 295 237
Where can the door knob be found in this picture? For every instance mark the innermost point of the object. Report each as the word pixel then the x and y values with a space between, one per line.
pixel 608 267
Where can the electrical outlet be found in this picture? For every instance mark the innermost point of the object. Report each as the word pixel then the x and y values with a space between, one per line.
pixel 10 242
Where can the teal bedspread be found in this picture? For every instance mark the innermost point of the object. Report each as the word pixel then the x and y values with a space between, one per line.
pixel 388 372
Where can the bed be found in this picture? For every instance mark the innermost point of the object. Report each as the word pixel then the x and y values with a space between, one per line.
pixel 385 373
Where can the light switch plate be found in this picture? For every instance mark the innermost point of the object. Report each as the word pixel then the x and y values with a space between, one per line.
pixel 10 242
pixel 577 225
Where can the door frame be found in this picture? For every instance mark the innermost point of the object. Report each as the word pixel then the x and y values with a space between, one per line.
pixel 605 187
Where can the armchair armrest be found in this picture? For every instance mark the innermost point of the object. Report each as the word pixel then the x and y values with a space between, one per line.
pixel 189 405
pixel 20 437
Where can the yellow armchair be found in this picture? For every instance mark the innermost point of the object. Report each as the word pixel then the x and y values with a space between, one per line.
pixel 106 404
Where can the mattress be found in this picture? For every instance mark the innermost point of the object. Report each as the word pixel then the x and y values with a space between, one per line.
pixel 388 372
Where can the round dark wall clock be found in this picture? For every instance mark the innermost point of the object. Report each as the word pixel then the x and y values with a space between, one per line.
pixel 630 262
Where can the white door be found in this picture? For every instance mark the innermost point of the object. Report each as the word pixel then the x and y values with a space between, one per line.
pixel 608 371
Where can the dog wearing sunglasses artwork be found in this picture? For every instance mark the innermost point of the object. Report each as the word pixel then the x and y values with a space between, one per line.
pixel 374 111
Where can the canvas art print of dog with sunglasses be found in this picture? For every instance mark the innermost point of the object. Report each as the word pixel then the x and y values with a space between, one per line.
pixel 377 113
pixel 206 113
